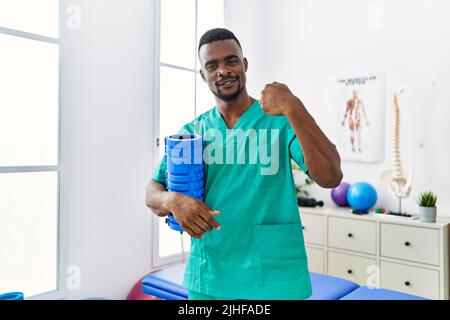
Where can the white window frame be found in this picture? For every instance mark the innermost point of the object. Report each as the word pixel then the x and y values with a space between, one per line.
pixel 61 291
pixel 157 260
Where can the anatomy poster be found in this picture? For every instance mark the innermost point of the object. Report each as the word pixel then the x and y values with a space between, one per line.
pixel 357 109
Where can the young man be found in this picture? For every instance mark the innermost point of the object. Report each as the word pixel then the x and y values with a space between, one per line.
pixel 247 240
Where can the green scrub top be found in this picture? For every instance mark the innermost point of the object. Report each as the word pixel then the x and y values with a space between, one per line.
pixel 259 252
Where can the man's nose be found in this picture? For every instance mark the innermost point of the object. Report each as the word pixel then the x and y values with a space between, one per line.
pixel 222 70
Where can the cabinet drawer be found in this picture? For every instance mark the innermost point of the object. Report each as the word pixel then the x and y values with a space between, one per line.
pixel 349 267
pixel 410 243
pixel 413 280
pixel 315 260
pixel 314 228
pixel 352 235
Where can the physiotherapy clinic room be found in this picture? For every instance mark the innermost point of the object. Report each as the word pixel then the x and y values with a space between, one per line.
pixel 91 88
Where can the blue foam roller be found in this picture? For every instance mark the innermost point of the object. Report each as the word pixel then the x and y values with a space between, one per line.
pixel 191 177
pixel 197 159
pixel 183 169
pixel 173 224
pixel 191 140
pixel 194 186
pixel 182 153
pixel 184 163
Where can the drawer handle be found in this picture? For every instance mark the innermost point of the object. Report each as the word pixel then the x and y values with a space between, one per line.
pixel 349 271
pixel 350 235
pixel 407 283
pixel 407 243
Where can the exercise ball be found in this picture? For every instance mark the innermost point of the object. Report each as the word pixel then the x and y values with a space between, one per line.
pixel 339 194
pixel 361 196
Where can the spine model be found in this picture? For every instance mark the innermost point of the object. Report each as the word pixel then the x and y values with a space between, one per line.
pixel 397 181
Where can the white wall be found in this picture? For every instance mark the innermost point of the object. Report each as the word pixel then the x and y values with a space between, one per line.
pixel 243 18
pixel 107 143
pixel 304 42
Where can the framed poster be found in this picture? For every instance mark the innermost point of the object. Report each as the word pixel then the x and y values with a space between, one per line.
pixel 357 110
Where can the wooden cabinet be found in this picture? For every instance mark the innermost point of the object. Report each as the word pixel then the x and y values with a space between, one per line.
pixel 410 243
pixel 392 252
pixel 348 266
pixel 414 280
pixel 354 235
pixel 314 229
pixel 316 260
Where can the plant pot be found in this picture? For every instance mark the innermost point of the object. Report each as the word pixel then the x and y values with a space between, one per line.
pixel 427 214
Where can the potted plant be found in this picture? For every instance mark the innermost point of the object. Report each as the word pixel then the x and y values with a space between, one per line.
pixel 427 206
pixel 302 182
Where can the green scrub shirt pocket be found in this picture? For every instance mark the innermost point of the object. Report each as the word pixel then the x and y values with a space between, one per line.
pixel 281 252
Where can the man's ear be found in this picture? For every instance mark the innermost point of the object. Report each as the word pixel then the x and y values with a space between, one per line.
pixel 203 75
pixel 246 64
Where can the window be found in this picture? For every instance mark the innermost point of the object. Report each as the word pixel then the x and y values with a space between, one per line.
pixel 181 94
pixel 29 152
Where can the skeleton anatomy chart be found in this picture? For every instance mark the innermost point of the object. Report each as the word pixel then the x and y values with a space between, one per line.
pixel 356 106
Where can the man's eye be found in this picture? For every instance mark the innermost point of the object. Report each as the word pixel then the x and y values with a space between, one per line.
pixel 211 67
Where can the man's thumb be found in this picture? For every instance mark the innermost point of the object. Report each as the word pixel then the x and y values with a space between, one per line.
pixel 215 212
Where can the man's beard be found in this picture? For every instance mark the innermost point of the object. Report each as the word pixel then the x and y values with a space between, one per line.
pixel 229 97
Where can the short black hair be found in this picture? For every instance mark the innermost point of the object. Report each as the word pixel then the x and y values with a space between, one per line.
pixel 217 34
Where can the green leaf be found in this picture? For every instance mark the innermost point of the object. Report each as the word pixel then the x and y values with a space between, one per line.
pixel 427 199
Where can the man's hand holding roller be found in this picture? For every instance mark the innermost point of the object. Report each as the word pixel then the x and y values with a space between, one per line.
pixel 194 216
